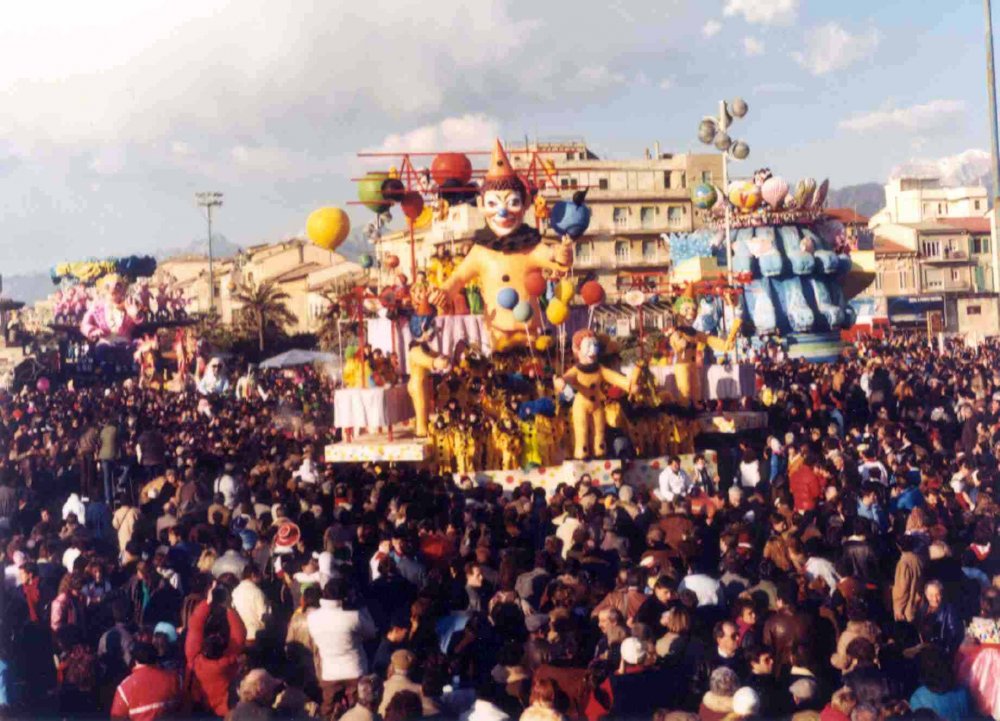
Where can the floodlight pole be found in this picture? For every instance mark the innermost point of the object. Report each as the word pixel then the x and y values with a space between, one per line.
pixel 991 83
pixel 209 200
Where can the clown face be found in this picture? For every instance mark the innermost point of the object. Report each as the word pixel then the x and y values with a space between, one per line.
pixel 688 311
pixel 588 351
pixel 504 211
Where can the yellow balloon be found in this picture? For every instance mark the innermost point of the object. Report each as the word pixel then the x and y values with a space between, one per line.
pixel 425 217
pixel 565 291
pixel 543 343
pixel 556 312
pixel 328 227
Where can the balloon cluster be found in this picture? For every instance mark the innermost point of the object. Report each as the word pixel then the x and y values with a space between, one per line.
pixel 88 271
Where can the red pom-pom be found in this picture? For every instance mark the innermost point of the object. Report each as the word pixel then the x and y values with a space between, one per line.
pixel 534 283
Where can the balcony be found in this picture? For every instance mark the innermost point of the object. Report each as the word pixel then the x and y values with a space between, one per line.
pixel 947 256
pixel 661 260
pixel 948 286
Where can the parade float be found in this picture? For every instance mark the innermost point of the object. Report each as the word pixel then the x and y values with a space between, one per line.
pixel 792 261
pixel 109 314
pixel 484 364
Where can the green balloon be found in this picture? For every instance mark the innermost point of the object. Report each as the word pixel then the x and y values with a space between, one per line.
pixel 370 192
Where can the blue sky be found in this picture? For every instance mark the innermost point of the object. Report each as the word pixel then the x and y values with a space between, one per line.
pixel 117 112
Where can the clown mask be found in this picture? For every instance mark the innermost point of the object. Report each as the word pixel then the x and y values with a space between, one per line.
pixel 504 211
pixel 588 351
pixel 687 311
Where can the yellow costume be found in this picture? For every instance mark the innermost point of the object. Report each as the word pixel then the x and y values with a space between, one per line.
pixel 421 361
pixel 684 341
pixel 587 379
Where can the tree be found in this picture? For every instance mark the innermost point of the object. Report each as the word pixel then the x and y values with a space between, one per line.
pixel 264 307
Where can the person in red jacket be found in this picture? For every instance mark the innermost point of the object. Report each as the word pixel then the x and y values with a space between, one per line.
pixel 216 637
pixel 149 692
pixel 806 484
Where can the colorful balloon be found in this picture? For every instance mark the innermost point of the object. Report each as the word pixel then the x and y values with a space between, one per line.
pixel 542 343
pixel 43 385
pixel 451 166
pixel 393 190
pixel 703 196
pixel 425 217
pixel 392 261
pixel 592 292
pixel 557 312
pixel 370 192
pixel 413 205
pixel 523 311
pixel 774 191
pixel 328 227
pixel 507 298
pixel 571 218
pixel 565 291
pixel 534 283
pixel 745 197
pixel 366 261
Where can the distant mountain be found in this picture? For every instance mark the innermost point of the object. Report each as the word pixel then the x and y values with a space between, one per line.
pixel 865 198
pixel 970 167
pixel 355 245
pixel 27 287
pixel 221 248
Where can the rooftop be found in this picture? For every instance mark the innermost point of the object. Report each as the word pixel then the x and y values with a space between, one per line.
pixel 971 224
pixel 297 273
pixel 884 246
pixel 847 215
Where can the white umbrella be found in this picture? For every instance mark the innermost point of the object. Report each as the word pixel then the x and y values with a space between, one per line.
pixel 298 357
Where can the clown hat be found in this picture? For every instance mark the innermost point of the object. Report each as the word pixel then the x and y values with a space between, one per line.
pixel 500 167
pixel 288 535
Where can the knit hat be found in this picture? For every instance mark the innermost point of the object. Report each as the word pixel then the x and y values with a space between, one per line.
pixel 167 630
pixel 746 702
pixel 633 651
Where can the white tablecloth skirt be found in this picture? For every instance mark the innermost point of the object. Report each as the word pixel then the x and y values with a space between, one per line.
pixel 719 382
pixel 371 407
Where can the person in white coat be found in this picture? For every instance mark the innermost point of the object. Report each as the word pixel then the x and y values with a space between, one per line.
pixel 339 634
pixel 674 481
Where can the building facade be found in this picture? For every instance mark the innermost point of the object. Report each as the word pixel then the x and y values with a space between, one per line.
pixel 632 202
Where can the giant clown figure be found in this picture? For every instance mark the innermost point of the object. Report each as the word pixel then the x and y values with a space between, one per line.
pixel 505 252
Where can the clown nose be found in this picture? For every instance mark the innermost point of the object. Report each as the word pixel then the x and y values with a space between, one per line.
pixel 502 213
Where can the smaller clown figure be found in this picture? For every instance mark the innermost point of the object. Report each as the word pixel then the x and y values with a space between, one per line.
pixel 422 362
pixel 684 340
pixel 110 318
pixel 588 379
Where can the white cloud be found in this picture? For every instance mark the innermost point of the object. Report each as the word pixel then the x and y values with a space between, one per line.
pixel 598 77
pixel 966 168
pixel 181 149
pixel 932 115
pixel 830 47
pixel 776 87
pixel 752 47
pixel 109 160
pixel 667 83
pixel 711 28
pixel 467 132
pixel 763 12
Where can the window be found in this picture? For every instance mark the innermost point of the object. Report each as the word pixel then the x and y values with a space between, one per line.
pixel 977 205
pixel 904 279
pixel 930 247
pixel 572 182
pixel 706 176
pixel 974 309
pixel 622 251
pixel 879 280
pixel 980 244
pixel 649 250
pixel 675 215
pixel 620 216
pixel 646 216
pixel 684 181
pixel 956 275
pixel 564 182
pixel 584 252
pixel 666 180
pixel 933 278
pixel 602 184
pixel 570 156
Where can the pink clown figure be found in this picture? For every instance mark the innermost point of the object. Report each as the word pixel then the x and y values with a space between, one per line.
pixel 110 319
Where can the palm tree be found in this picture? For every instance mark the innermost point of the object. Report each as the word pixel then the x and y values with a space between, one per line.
pixel 263 307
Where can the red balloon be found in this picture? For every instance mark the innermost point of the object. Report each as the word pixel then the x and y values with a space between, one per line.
pixel 592 292
pixel 391 261
pixel 534 283
pixel 451 166
pixel 412 204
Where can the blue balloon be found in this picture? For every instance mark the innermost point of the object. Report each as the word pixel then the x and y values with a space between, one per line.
pixel 570 218
pixel 507 298
pixel 523 311
pixel 366 261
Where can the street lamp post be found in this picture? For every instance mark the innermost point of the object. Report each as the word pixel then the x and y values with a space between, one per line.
pixel 209 200
pixel 715 131
pixel 991 82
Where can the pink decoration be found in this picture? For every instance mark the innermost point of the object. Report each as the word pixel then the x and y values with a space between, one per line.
pixel 774 191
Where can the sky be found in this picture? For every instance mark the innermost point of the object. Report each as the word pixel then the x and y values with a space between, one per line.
pixel 116 112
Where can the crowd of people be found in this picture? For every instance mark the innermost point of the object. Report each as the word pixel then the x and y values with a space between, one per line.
pixel 173 555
